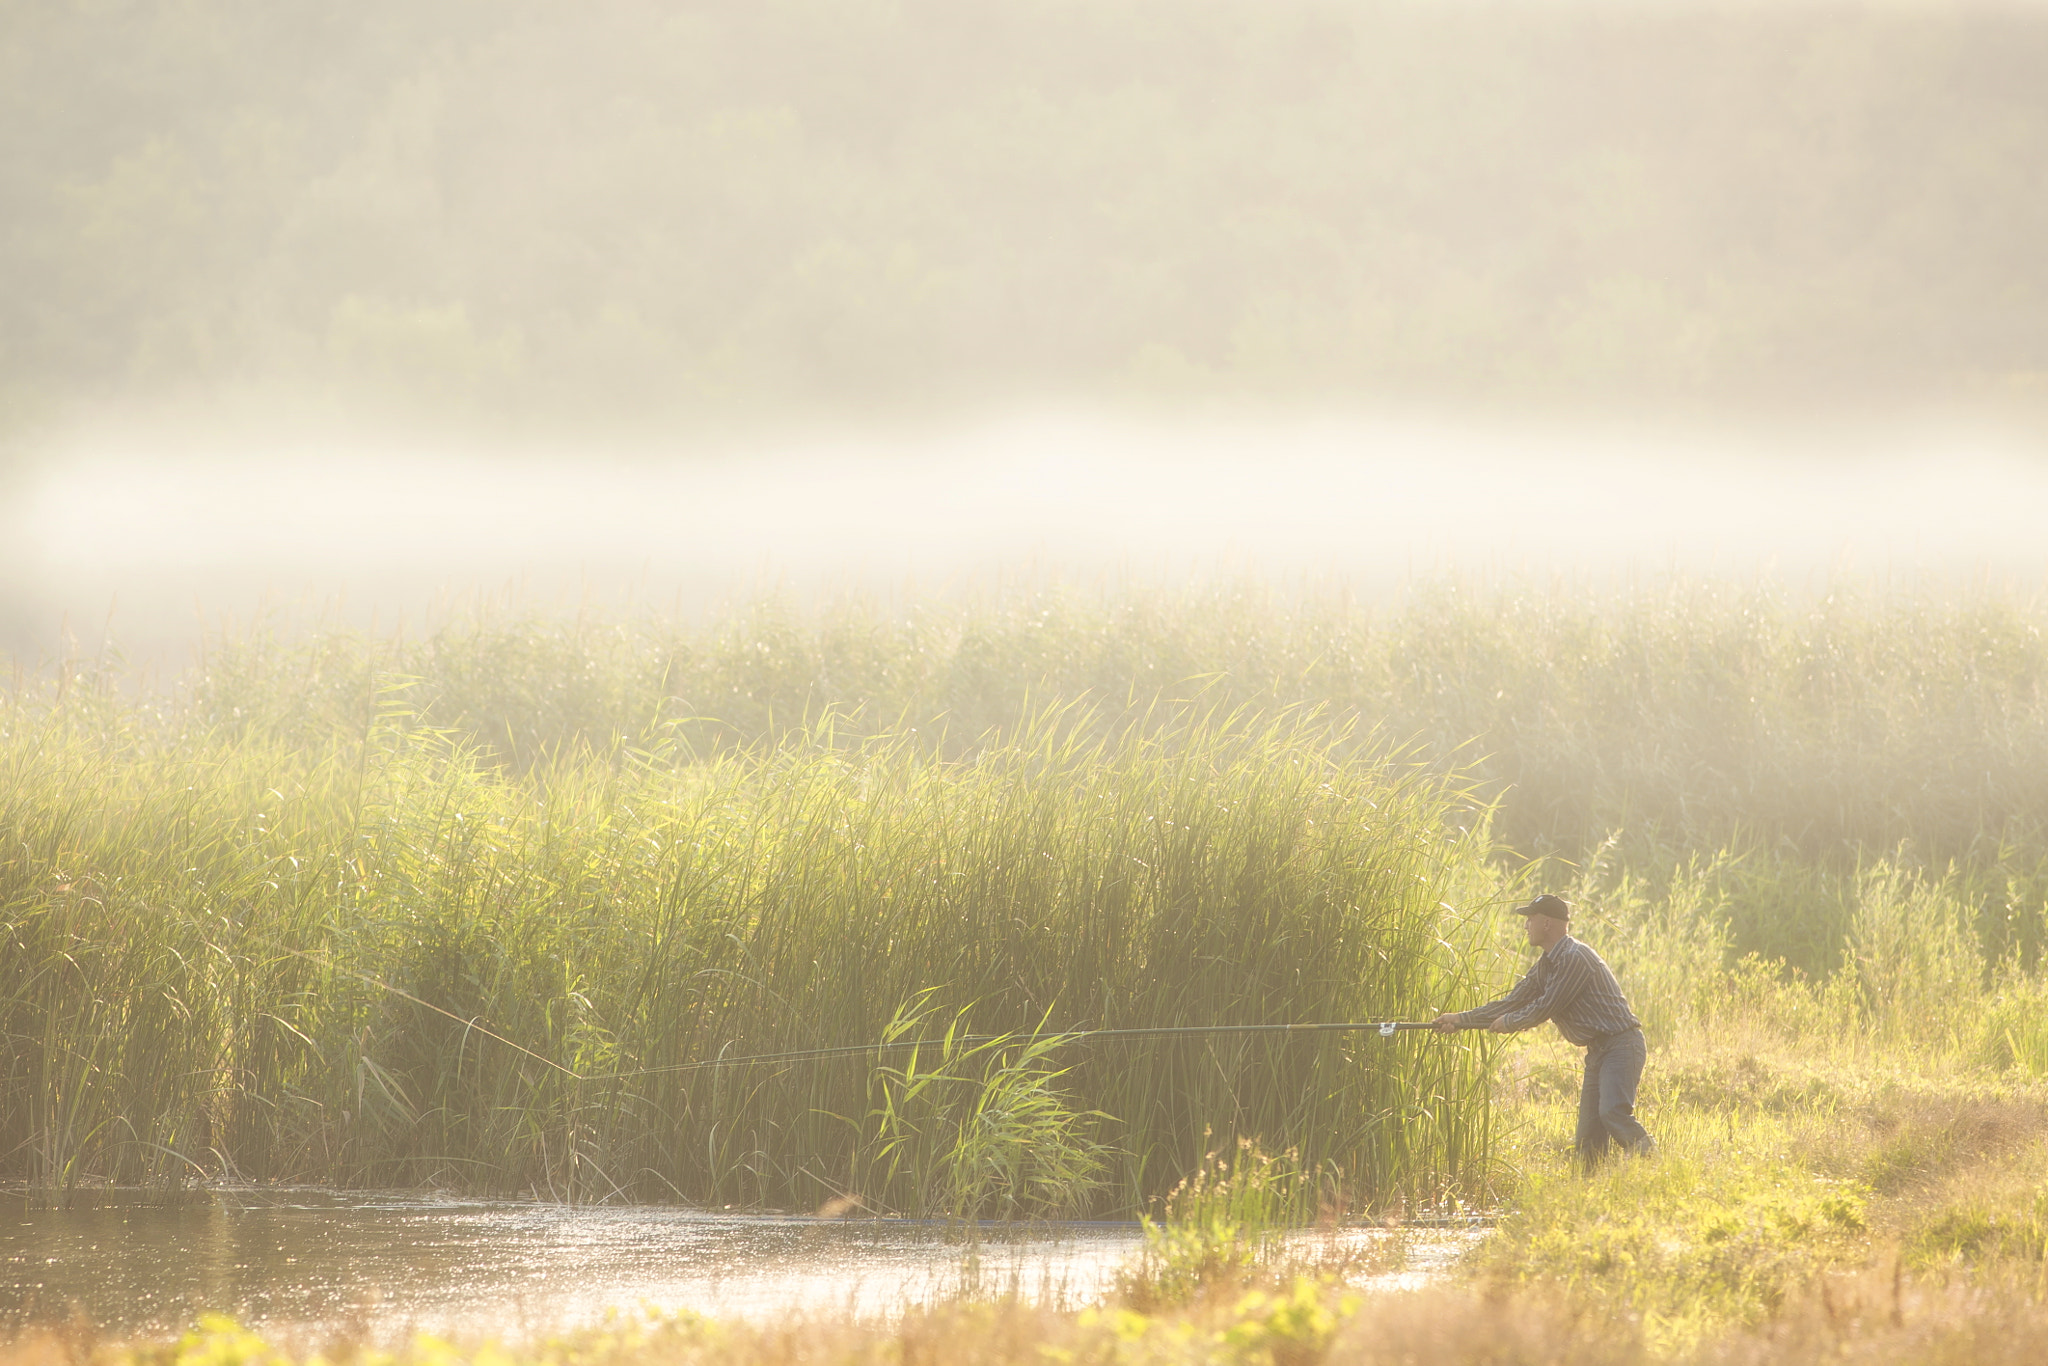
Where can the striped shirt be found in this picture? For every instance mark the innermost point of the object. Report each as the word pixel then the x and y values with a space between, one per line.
pixel 1570 985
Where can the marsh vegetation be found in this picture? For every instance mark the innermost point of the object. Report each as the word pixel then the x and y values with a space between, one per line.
pixel 469 909
pixel 382 956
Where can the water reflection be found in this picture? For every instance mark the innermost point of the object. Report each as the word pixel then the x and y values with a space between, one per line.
pixel 380 1267
pixel 385 1265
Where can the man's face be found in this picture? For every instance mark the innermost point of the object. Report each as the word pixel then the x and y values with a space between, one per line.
pixel 1544 930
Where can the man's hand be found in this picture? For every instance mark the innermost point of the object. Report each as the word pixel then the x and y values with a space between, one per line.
pixel 1447 1023
pixel 1498 1027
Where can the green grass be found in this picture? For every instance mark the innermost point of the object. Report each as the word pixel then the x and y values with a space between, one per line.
pixel 1809 1147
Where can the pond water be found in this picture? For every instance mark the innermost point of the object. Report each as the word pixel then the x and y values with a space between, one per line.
pixel 383 1266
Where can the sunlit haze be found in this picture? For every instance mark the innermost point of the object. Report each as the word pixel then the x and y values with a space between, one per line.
pixel 146 545
pixel 370 312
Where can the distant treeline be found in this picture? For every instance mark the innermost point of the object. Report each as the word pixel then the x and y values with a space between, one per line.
pixel 645 208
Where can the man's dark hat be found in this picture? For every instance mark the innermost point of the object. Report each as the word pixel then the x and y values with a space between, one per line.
pixel 1552 906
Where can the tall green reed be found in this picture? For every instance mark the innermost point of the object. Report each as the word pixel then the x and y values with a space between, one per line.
pixel 393 962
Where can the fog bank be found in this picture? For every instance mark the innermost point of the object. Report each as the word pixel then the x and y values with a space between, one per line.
pixel 148 540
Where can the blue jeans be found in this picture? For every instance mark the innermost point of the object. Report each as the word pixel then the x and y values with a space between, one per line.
pixel 1607 1101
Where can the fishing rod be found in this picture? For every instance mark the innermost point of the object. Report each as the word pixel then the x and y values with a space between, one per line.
pixel 1386 1029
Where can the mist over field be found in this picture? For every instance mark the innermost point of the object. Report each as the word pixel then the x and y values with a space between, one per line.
pixel 363 310
pixel 121 544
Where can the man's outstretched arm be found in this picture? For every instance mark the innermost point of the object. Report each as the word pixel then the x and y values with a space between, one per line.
pixel 1483 1017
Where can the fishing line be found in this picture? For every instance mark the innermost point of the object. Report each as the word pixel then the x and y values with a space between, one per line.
pixel 466 1024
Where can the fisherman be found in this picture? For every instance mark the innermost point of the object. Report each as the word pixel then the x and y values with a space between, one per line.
pixel 1572 986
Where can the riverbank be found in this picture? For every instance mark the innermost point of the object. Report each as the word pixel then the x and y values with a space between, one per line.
pixel 381 1267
